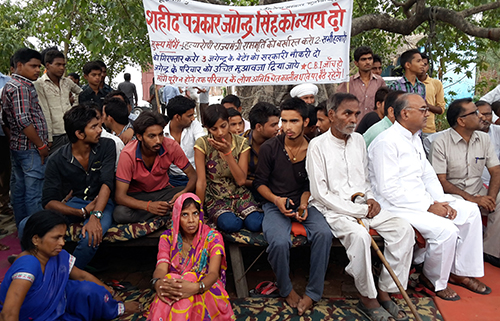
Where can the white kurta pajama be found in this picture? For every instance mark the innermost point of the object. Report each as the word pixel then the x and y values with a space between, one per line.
pixel 405 184
pixel 336 171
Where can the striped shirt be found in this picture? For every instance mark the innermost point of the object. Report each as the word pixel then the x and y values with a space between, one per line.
pixel 405 85
pixel 21 108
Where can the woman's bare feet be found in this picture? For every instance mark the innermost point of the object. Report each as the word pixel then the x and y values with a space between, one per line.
pixel 304 304
pixel 293 299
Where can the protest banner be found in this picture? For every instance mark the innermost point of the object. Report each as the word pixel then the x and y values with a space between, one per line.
pixel 195 43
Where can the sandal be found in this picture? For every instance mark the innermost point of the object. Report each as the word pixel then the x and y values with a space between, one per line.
pixel 394 310
pixel 266 289
pixel 473 285
pixel 443 294
pixel 374 314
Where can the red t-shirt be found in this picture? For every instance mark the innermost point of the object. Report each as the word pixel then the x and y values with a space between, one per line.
pixel 131 168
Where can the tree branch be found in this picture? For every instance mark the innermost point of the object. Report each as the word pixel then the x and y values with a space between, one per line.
pixel 405 5
pixel 481 8
pixel 407 26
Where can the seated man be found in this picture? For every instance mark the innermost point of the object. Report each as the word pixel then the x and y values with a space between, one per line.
pixel 236 124
pixel 492 130
pixel 311 130
pixel 232 101
pixel 386 122
pixel 459 156
pixel 185 130
pixel 87 167
pixel 264 118
pixel 115 117
pixel 377 114
pixel 282 180
pixel 306 92
pixel 323 123
pixel 405 183
pixel 143 189
pixel 337 167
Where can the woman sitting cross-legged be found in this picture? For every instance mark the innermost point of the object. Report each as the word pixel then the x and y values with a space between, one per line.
pixel 43 283
pixel 221 160
pixel 190 274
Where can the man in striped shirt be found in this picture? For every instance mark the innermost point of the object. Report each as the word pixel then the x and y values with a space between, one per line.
pixel 28 134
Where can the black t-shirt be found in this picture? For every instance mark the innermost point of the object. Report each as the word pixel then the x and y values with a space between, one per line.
pixel 368 121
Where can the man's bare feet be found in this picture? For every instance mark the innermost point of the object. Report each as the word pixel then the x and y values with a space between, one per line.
pixel 133 307
pixel 293 299
pixel 304 304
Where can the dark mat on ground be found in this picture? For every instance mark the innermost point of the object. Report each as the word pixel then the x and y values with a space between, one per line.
pixel 267 309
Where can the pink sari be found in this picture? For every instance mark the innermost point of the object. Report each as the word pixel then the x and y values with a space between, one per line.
pixel 214 303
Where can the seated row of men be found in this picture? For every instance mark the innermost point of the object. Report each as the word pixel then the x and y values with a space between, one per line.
pixel 318 188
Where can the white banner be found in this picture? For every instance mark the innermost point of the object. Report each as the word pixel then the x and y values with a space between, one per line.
pixel 195 43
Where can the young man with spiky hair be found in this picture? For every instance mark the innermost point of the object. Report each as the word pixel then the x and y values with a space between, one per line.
pixel 28 134
pixel 54 96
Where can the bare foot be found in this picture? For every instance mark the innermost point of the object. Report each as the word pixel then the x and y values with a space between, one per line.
pixel 293 299
pixel 304 304
pixel 133 307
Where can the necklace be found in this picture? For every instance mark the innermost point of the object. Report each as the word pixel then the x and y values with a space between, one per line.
pixel 294 158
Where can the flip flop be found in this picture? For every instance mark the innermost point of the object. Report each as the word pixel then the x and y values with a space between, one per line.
pixel 375 314
pixel 476 283
pixel 265 289
pixel 394 310
pixel 4 247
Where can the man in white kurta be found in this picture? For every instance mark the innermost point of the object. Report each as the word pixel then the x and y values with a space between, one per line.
pixel 336 163
pixel 405 184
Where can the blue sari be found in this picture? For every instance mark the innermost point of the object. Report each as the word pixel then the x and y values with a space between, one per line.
pixel 53 296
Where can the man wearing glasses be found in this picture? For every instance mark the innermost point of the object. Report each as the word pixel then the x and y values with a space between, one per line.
pixel 405 183
pixel 459 157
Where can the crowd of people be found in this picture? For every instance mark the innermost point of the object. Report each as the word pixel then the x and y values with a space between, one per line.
pixel 369 154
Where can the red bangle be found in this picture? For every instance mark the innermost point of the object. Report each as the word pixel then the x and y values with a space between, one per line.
pixel 228 153
pixel 147 207
pixel 42 147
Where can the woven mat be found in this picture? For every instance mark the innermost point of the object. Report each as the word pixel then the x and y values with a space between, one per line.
pixel 269 309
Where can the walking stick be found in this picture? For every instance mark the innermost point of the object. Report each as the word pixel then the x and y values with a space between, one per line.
pixel 388 267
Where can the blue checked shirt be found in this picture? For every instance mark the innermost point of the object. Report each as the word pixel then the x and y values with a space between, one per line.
pixel 405 85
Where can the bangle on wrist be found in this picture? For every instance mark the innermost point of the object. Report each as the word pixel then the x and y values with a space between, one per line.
pixel 42 147
pixel 202 287
pixel 228 153
pixel 84 213
pixel 147 207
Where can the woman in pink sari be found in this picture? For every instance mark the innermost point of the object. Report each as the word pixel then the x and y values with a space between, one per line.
pixel 190 274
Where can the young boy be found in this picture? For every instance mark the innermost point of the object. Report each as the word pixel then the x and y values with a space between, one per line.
pixel 236 124
pixel 92 72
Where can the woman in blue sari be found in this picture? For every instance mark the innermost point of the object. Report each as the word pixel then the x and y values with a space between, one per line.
pixel 43 283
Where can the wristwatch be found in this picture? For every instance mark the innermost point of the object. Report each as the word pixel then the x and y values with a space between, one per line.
pixel 97 214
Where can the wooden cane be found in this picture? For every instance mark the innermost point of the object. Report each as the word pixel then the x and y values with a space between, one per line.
pixel 388 267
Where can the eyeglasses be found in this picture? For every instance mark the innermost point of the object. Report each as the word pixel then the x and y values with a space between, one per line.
pixel 476 112
pixel 423 110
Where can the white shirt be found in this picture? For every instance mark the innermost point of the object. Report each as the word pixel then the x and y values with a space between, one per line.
pixel 337 170
pixel 118 143
pixel 189 136
pixel 247 124
pixel 494 133
pixel 491 97
pixel 400 174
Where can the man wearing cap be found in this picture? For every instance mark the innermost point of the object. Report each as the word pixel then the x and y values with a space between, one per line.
pixel 306 92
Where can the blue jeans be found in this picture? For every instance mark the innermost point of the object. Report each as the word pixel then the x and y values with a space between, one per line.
pixel 83 252
pixel 230 223
pixel 277 228
pixel 26 183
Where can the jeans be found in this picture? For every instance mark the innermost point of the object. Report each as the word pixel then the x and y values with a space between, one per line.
pixel 230 223
pixel 26 183
pixel 83 252
pixel 277 228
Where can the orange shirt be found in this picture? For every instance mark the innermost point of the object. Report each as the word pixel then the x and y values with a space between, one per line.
pixel 434 94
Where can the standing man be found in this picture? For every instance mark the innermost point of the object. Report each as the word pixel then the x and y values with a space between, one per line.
pixel 204 99
pixel 54 92
pixel 5 164
pixel 143 189
pixel 129 89
pixel 364 84
pixel 185 130
pixel 306 92
pixel 281 179
pixel 86 165
pixel 405 183
pixel 92 73
pixel 264 118
pixel 377 65
pixel 28 134
pixel 434 95
pixel 337 166
pixel 459 156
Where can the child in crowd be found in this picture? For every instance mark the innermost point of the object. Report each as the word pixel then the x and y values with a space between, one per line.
pixel 236 124
pixel 221 160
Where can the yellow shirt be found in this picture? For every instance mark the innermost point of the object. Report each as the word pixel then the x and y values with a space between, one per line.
pixel 434 95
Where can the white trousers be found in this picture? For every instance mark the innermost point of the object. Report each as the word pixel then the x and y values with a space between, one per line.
pixel 451 246
pixel 399 239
